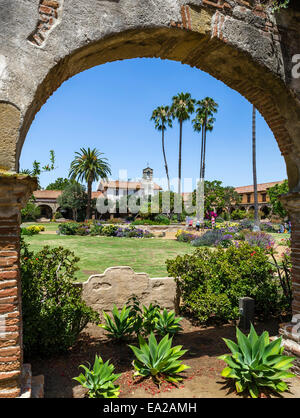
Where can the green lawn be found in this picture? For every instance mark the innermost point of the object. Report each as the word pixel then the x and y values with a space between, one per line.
pixel 98 253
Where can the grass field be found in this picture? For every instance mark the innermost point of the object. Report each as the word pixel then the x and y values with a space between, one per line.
pixel 98 253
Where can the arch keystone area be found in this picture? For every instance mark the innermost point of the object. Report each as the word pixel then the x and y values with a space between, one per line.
pixel 239 42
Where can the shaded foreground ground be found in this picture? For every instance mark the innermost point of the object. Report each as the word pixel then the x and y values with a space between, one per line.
pixel 202 380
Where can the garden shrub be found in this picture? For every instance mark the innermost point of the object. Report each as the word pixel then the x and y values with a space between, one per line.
pixel 259 239
pixel 208 239
pixel 31 212
pixel 238 214
pixel 68 228
pixel 109 230
pixel 208 305
pixel 32 230
pixel 246 224
pixel 185 236
pixel 164 221
pixel 53 311
pixel 225 241
pixel 96 229
pixel 232 273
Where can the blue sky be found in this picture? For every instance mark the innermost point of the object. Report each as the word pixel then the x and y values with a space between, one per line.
pixel 109 107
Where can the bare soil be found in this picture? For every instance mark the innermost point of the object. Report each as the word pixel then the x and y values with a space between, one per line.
pixel 202 380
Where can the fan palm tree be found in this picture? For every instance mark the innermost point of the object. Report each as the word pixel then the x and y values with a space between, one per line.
pixel 162 118
pixel 88 166
pixel 256 218
pixel 203 122
pixel 182 107
pixel 205 111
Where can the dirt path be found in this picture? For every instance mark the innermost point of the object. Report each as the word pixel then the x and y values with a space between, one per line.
pixel 202 380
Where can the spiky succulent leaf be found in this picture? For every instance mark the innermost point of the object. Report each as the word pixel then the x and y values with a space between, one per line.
pixel 154 359
pixel 256 362
pixel 99 380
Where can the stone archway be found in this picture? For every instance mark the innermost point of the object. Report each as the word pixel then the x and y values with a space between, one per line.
pixel 238 42
pixel 46 211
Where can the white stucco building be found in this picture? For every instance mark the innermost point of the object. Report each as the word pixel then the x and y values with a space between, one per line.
pixel 116 189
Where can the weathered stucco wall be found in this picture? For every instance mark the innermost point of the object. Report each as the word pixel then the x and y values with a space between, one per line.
pixel 44 42
pixel 117 284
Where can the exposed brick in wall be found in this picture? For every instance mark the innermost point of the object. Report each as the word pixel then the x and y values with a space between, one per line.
pixel 49 11
pixel 242 11
pixel 10 309
pixel 14 191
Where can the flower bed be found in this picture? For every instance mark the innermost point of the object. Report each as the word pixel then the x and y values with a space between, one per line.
pixel 32 230
pixel 96 228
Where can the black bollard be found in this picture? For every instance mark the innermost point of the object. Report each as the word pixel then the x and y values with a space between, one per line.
pixel 246 308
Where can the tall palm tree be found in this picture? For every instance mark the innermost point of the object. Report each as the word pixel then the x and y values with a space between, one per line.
pixel 182 107
pixel 88 166
pixel 162 118
pixel 256 218
pixel 203 122
pixel 205 111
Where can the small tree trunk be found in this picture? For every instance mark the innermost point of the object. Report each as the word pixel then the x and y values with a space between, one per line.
pixel 165 158
pixel 179 165
pixel 89 193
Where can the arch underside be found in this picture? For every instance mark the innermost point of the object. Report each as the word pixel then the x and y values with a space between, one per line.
pixel 220 59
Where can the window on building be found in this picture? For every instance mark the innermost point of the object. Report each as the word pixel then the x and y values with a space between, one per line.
pixel 248 198
pixel 264 197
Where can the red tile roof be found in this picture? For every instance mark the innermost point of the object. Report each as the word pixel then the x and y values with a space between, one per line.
pixel 263 187
pixel 47 194
pixel 127 185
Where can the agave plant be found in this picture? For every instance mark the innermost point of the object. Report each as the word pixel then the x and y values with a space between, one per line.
pixel 158 360
pixel 256 362
pixel 136 315
pixel 167 323
pixel 150 317
pixel 121 325
pixel 100 380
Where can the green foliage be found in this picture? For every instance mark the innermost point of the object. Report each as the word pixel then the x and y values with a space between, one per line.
pixel 136 314
pixel 89 166
pixel 277 5
pixel 150 317
pixel 147 320
pixel 73 197
pixel 53 311
pixel 100 380
pixel 217 196
pixel 207 276
pixel 120 325
pixel 31 212
pixel 257 363
pixel 68 228
pixel 37 169
pixel 109 230
pixel 32 230
pixel 208 239
pixel 211 306
pixel 59 184
pixel 274 193
pixel 150 222
pixel 238 214
pixel 161 361
pixel 167 323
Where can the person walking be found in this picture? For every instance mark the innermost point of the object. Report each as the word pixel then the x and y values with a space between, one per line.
pixel 212 222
